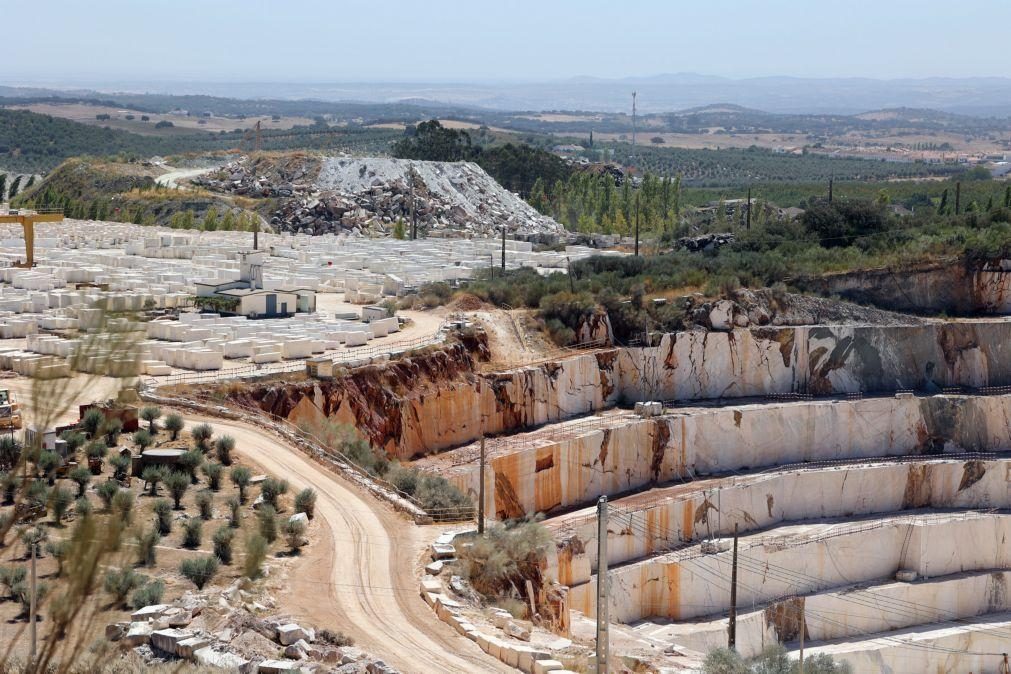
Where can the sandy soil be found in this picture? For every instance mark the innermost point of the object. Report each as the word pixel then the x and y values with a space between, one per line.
pixel 364 580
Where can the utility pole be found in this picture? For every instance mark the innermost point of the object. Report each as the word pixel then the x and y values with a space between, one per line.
pixel 830 190
pixel 503 249
pixel 637 224
pixel 958 196
pixel 749 207
pixel 414 208
pixel 633 118
pixel 602 586
pixel 732 622
pixel 32 609
pixel 480 491
pixel 802 630
pixel 256 233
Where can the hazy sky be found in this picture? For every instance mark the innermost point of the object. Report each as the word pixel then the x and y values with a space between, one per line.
pixel 469 40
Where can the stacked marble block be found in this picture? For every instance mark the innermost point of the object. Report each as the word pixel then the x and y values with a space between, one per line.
pixel 262 341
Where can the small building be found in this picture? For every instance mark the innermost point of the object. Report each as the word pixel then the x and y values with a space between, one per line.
pixel 320 367
pixel 259 303
pixel 247 296
pixel 374 312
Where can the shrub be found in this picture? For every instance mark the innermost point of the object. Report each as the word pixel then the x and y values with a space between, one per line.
pixel 205 504
pixel 177 484
pixel 240 477
pixel 256 553
pixel 82 507
pixel 151 414
pixel 74 441
pixel 58 550
pixel 223 446
pixel 11 576
pixel 504 557
pixel 267 517
pixel 174 424
pixel 199 570
pixel 147 546
pixel 724 661
pixel 120 582
pixel 81 476
pixel 152 475
pixel 122 505
pixel 271 490
pixel 201 435
pixel 96 452
pixel 305 502
pixel 120 464
pixel 223 544
pixel 234 514
pixel 147 595
pixel 190 461
pixel 193 530
pixel 294 531
pixel 143 439
pixel 92 421
pixel 442 500
pixel 60 500
pixel 36 536
pixel 334 638
pixel 107 491
pixel 404 479
pixel 48 463
pixel 213 471
pixel 111 430
pixel 24 596
pixel 9 485
pixel 163 516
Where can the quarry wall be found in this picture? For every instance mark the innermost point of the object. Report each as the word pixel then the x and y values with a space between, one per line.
pixel 692 586
pixel 852 613
pixel 637 453
pixel 957 289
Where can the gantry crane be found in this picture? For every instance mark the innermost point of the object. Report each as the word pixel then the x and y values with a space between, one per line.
pixel 27 217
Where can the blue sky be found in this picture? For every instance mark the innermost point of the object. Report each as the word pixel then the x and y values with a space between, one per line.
pixel 475 40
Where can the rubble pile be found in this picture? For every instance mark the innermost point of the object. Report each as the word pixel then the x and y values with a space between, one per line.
pixel 704 242
pixel 224 635
pixel 353 195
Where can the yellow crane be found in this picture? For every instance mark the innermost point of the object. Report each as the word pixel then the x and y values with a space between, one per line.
pixel 27 217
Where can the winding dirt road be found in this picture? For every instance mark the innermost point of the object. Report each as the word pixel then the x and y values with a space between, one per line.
pixel 361 577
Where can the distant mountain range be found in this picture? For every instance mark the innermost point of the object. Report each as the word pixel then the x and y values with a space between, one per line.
pixel 979 96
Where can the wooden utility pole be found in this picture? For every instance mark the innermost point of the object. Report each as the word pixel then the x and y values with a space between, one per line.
pixel 732 622
pixel 602 586
pixel 414 208
pixel 637 224
pixel 633 118
pixel 480 491
pixel 32 608
pixel 503 249
pixel 802 630
pixel 830 190
pixel 749 206
pixel 958 197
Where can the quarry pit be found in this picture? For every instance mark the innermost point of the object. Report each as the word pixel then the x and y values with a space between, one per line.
pixel 866 468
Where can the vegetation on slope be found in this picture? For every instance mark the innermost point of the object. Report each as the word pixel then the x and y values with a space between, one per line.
pixel 840 236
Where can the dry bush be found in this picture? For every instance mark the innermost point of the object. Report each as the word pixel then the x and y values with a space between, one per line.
pixel 499 563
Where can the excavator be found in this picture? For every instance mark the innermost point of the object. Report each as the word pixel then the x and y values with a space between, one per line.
pixel 10 412
pixel 27 217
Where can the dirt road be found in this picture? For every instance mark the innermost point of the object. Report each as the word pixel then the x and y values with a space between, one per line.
pixel 362 578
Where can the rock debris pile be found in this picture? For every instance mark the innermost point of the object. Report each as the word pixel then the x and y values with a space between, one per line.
pixel 350 195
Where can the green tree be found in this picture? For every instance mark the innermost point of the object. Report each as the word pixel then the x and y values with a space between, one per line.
pixel 174 424
pixel 151 414
pixel 177 484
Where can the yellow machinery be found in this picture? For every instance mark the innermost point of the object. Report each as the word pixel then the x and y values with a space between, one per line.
pixel 10 412
pixel 27 217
